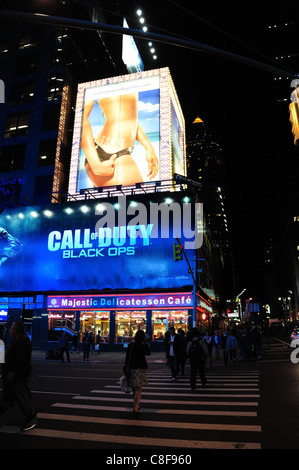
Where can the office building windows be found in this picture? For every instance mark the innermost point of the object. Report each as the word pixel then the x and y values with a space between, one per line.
pixel 21 93
pixel 51 117
pixel 47 151
pixel 16 124
pixel 12 157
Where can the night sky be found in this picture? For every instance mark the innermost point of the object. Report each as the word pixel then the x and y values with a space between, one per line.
pixel 239 106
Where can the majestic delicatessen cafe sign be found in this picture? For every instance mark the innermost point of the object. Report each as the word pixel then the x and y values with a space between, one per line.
pixel 169 300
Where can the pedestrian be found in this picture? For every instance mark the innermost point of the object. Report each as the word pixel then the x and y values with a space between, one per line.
pixel 259 339
pixel 136 366
pixel 208 339
pixel 231 347
pixel 98 341
pixel 16 371
pixel 182 355
pixel 256 336
pixel 245 346
pixel 91 341
pixel 216 340
pixel 75 343
pixel 86 346
pixel 197 351
pixel 172 341
pixel 64 347
pixel 223 347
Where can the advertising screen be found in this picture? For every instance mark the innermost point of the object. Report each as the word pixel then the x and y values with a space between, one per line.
pixel 130 53
pixel 128 129
pixel 73 247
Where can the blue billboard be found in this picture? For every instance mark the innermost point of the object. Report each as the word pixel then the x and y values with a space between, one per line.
pixel 71 246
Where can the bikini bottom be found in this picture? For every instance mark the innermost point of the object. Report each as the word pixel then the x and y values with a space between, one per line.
pixel 103 156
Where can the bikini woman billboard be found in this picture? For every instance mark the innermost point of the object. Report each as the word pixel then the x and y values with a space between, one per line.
pixel 123 131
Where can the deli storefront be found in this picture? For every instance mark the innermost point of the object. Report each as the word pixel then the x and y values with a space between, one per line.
pixel 117 317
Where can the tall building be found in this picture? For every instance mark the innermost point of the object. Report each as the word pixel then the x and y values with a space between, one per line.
pixel 277 35
pixel 41 66
pixel 206 164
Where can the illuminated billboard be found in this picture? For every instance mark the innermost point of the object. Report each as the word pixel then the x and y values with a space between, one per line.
pixel 128 129
pixel 69 247
pixel 130 53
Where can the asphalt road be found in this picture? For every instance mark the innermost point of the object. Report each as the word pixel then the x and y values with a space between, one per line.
pixel 251 406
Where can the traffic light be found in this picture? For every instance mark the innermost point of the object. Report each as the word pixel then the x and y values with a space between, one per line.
pixel 177 252
pixel 294 118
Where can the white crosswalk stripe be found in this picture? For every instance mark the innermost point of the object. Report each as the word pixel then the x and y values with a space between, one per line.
pixel 221 415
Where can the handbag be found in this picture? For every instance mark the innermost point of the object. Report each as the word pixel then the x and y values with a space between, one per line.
pixel 124 380
pixel 124 384
pixel 126 367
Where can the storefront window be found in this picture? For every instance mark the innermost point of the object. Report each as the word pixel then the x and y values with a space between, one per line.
pixel 95 322
pixel 162 320
pixel 59 322
pixel 127 323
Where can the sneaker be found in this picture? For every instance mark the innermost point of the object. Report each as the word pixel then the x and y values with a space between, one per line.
pixel 30 425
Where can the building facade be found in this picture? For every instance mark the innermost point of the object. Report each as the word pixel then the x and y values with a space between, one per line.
pixel 47 280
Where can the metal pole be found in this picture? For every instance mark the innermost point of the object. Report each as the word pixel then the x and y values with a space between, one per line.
pixel 82 24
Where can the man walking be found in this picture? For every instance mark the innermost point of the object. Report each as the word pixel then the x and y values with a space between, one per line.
pixel 197 350
pixel 16 371
pixel 172 341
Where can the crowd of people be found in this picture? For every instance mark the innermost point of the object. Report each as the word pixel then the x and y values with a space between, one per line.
pixel 198 347
pixel 217 344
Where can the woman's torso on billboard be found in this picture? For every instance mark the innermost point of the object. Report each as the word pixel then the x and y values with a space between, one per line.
pixel 118 133
pixel 120 127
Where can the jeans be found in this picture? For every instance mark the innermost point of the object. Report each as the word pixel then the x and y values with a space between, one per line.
pixel 194 367
pixel 172 363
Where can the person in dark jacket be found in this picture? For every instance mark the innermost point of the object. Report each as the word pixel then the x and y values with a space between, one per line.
pixel 197 351
pixel 172 341
pixel 64 347
pixel 16 371
pixel 136 365
pixel 182 355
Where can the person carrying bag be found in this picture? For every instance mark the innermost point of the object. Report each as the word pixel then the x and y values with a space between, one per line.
pixel 135 367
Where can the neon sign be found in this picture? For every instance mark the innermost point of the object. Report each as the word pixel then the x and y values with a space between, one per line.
pixel 110 302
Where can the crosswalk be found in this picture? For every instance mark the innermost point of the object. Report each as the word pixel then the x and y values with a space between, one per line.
pixel 221 415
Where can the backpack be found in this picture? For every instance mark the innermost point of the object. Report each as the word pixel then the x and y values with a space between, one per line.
pixel 196 351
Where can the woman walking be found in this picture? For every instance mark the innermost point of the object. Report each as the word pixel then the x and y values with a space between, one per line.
pixel 136 366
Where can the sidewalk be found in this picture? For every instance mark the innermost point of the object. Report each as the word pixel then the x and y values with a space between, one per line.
pixel 117 357
pixel 156 357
